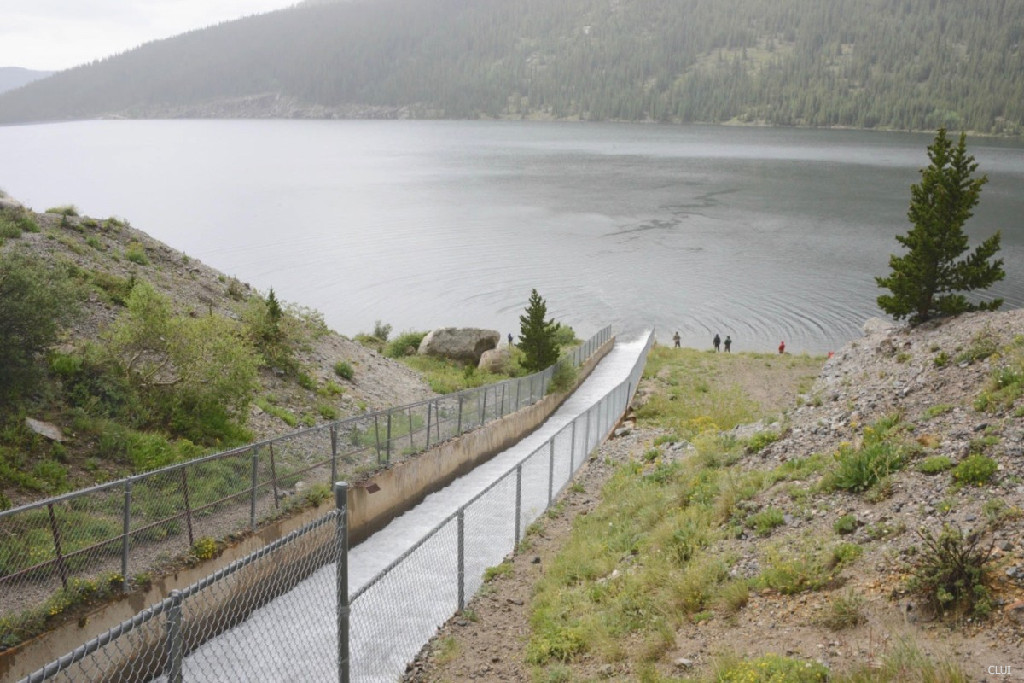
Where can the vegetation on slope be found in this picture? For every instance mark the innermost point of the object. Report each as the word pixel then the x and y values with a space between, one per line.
pixel 140 356
pixel 893 64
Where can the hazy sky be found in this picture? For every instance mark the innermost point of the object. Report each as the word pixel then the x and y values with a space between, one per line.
pixel 59 34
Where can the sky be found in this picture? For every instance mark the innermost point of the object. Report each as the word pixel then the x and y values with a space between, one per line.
pixel 52 35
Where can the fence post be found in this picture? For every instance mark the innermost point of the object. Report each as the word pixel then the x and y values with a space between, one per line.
pixel 461 526
pixel 273 476
pixel 376 434
pixel 255 486
pixel 173 666
pixel 426 447
pixel 127 533
pixel 388 449
pixel 572 450
pixel 551 469
pixel 61 567
pixel 188 506
pixel 586 435
pixel 519 381
pixel 334 453
pixel 412 444
pixel 519 500
pixel 483 408
pixel 458 429
pixel 341 576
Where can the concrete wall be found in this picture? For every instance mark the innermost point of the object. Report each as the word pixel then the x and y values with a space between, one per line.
pixel 372 504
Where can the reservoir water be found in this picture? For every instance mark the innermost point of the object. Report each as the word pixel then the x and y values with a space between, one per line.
pixel 761 234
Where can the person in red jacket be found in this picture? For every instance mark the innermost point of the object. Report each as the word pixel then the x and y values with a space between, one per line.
pixel 782 347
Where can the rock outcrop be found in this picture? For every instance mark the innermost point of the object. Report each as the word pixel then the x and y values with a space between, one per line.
pixel 464 344
pixel 495 360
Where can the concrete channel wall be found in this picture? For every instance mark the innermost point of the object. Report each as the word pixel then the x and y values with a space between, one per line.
pixel 372 504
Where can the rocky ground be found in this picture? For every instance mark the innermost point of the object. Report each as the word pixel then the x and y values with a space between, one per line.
pixel 932 378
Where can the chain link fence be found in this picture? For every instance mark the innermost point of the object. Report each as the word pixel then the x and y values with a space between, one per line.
pixel 104 539
pixel 277 613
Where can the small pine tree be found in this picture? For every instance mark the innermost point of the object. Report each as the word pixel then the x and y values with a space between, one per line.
pixel 926 281
pixel 537 336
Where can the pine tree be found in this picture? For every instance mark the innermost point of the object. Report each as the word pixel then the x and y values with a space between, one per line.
pixel 537 336
pixel 926 281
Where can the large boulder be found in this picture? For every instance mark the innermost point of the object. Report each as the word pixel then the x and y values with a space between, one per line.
pixel 465 344
pixel 495 360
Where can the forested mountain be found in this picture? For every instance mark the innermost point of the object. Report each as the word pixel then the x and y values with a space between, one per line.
pixel 12 77
pixel 903 64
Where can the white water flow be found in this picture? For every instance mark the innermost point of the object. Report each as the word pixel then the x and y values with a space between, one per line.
pixel 294 637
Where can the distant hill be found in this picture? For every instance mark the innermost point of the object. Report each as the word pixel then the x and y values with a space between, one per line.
pixel 12 77
pixel 896 64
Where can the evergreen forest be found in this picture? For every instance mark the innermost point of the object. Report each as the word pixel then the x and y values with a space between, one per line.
pixel 881 64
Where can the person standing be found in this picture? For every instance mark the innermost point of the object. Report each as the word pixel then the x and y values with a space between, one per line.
pixel 675 338
pixel 727 343
pixel 782 347
pixel 717 341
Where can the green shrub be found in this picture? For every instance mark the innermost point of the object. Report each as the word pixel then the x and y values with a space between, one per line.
pixel 758 442
pixel 860 469
pixel 343 370
pixel 975 469
pixel 136 253
pixel 563 377
pixel 64 210
pixel 204 548
pixel 845 611
pixel 770 668
pixel 941 360
pixel 983 345
pixel 405 344
pixel 951 570
pixel 764 521
pixel 846 524
pixel 935 464
pixel 306 382
pixel 327 412
pixel 381 330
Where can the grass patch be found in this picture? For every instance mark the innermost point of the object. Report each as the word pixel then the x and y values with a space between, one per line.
pixel 976 470
pixel 858 469
pixel 935 464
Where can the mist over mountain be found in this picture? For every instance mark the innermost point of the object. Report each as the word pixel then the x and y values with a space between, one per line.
pixel 12 77
pixel 897 64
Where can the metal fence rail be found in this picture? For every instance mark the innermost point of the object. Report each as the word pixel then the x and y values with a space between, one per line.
pixel 110 536
pixel 285 612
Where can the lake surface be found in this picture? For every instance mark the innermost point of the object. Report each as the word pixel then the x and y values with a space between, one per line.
pixel 761 234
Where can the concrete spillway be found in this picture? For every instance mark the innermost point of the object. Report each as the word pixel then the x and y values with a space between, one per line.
pixel 294 637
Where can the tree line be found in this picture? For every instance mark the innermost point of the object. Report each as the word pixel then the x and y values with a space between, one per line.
pixel 897 64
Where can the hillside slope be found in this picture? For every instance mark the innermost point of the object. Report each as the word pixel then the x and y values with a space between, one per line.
pixel 890 64
pixel 105 258
pixel 949 391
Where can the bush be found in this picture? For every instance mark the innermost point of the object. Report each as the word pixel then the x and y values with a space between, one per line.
pixel 950 571
pixel 405 344
pixel 846 524
pixel 976 469
pixel 770 667
pixel 763 522
pixel 36 300
pixel 563 377
pixel 381 330
pixel 758 442
pixel 935 464
pixel 344 370
pixel 858 470
pixel 136 254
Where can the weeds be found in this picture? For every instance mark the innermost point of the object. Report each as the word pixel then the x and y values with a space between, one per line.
pixel 975 469
pixel 950 570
